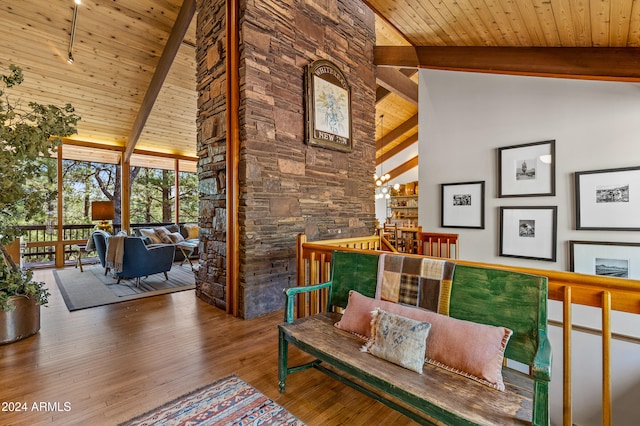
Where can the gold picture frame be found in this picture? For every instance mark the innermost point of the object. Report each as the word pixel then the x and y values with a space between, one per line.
pixel 328 107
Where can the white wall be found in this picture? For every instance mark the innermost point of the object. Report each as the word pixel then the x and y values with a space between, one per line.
pixel 465 117
pixel 409 176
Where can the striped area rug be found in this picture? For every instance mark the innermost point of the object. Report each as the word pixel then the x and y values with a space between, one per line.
pixel 229 401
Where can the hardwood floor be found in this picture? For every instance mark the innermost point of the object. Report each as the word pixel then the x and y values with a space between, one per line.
pixel 104 365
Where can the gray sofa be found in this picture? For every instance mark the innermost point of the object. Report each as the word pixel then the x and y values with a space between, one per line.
pixel 152 238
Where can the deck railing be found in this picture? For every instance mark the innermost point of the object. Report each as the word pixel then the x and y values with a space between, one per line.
pixel 42 240
pixel 570 289
pixel 43 247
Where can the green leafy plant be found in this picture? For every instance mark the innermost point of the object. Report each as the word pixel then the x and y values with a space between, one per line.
pixel 27 133
pixel 19 283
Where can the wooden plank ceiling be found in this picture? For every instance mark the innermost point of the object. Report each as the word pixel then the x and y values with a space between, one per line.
pixel 116 50
pixel 118 47
pixel 578 39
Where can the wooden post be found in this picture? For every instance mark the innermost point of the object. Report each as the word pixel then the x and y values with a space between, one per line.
pixel 233 152
pixel 13 250
pixel 300 273
pixel 125 193
pixel 606 358
pixel 566 319
pixel 176 184
pixel 59 247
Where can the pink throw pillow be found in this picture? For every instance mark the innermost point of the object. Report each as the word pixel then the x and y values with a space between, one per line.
pixel 471 349
pixel 358 314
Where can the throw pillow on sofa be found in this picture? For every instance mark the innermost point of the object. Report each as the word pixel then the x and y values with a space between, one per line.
pixel 176 237
pixel 192 231
pixel 163 234
pixel 151 235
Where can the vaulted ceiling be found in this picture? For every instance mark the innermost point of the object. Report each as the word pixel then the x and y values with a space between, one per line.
pixel 130 96
pixel 117 50
pixel 591 39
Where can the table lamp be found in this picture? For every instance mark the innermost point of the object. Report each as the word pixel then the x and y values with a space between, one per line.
pixel 103 211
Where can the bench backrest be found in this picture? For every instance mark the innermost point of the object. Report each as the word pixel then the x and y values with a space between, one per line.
pixel 489 296
pixel 503 298
pixel 352 271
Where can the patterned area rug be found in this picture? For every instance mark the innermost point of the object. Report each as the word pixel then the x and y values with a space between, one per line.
pixel 229 401
pixel 81 290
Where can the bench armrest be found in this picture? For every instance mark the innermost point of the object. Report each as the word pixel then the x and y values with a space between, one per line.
pixel 292 292
pixel 542 360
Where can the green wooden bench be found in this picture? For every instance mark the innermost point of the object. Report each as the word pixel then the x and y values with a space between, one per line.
pixel 484 295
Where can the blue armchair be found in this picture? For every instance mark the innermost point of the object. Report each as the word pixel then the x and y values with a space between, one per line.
pixel 140 261
pixel 100 246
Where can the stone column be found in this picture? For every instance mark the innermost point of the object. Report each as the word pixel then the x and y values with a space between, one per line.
pixel 211 80
pixel 286 186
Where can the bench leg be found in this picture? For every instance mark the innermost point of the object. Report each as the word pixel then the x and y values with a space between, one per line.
pixel 283 354
pixel 540 403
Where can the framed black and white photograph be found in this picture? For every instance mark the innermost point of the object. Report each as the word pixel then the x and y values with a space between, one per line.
pixel 529 232
pixel 608 199
pixel 527 170
pixel 462 205
pixel 328 106
pixel 609 259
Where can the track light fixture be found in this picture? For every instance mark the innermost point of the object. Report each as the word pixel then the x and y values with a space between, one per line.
pixel 73 31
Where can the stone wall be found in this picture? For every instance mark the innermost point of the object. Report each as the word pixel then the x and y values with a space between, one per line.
pixel 286 186
pixel 211 86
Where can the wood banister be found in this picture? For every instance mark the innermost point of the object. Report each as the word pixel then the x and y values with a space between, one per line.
pixel 432 244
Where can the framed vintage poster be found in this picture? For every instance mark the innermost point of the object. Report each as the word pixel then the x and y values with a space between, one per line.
pixel 328 109
pixel 529 232
pixel 605 258
pixel 608 199
pixel 527 170
pixel 462 205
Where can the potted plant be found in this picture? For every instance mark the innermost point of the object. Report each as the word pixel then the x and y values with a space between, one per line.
pixel 27 133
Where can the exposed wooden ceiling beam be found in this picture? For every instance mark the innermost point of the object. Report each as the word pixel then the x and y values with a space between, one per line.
pixel 382 93
pixel 165 155
pixel 397 132
pixel 593 63
pixel 174 41
pixel 93 145
pixel 398 83
pixel 396 149
pixel 404 167
pixel 119 148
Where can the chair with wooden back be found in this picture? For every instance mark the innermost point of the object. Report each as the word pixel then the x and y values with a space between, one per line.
pixel 412 239
pixel 392 234
pixel 439 245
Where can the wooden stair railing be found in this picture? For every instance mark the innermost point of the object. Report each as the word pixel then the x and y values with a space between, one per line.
pixel 439 245
pixel 317 267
